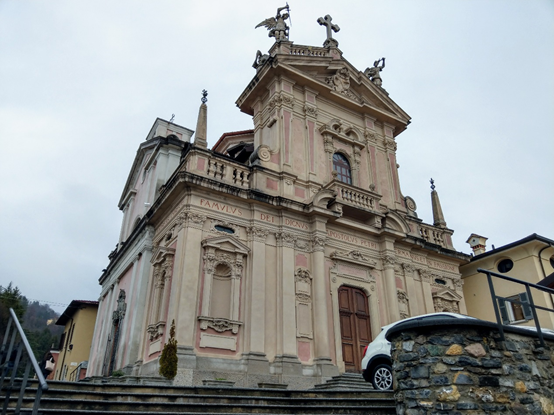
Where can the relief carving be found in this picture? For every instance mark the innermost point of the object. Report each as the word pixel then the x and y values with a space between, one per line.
pixel 403 304
pixel 219 324
pixel 388 260
pixel 318 243
pixel 354 256
pixel 257 234
pixel 285 239
pixel 310 111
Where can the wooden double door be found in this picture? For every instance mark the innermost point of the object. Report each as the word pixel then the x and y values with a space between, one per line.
pixel 354 326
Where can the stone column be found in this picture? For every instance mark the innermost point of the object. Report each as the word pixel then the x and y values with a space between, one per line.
pixel 321 316
pixel 286 360
pixel 183 306
pixel 138 327
pixel 390 288
pixel 254 349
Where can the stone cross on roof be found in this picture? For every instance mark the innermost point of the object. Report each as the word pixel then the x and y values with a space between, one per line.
pixel 327 22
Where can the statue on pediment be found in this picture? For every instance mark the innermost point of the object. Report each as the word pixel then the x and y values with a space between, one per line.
pixel 277 26
pixel 373 73
pixel 340 81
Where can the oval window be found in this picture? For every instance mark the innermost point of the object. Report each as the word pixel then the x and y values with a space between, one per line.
pixel 224 229
pixel 505 265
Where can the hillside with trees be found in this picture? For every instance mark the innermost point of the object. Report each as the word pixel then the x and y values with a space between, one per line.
pixel 38 320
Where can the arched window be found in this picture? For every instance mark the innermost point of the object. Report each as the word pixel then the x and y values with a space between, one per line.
pixel 342 167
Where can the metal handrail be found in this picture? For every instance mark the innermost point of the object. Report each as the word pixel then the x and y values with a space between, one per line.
pixel 531 304
pixel 5 360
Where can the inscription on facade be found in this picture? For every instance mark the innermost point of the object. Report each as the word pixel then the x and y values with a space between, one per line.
pixel 221 207
pixel 352 239
pixel 422 260
pixel 406 254
pixel 267 218
pixel 296 224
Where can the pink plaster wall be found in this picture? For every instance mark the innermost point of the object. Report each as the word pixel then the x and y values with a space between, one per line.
pixel 271 184
pixel 301 261
pixel 311 127
pixel 394 171
pixel 399 283
pixel 373 164
pixel 286 125
pixel 201 164
pixel 298 148
pixel 304 351
pixel 383 175
pixel 299 192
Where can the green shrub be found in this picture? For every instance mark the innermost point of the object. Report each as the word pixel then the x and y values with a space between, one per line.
pixel 168 359
pixel 118 373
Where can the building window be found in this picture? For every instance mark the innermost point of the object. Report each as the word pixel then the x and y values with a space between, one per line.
pixel 515 309
pixel 226 229
pixel 342 167
pixel 505 265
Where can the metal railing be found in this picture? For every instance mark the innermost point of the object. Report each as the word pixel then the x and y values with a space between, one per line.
pixel 14 352
pixel 530 302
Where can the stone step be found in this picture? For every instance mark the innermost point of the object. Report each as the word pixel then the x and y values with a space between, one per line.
pixel 346 382
pixel 86 398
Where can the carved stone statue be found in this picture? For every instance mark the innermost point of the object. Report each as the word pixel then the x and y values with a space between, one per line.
pixel 340 81
pixel 276 25
pixel 260 59
pixel 374 73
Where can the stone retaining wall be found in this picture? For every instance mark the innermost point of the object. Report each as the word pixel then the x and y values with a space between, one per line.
pixel 465 369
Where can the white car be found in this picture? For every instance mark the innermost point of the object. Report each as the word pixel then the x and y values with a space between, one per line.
pixel 377 363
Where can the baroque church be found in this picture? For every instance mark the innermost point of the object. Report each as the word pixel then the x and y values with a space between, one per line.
pixel 280 252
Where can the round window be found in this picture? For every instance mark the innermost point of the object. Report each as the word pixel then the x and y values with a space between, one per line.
pixel 505 265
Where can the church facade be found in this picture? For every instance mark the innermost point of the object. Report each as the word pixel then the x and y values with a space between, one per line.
pixel 281 251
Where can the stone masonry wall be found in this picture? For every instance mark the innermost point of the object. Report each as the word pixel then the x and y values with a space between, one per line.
pixel 466 370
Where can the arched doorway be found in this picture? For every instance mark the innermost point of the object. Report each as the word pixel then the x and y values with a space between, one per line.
pixel 355 329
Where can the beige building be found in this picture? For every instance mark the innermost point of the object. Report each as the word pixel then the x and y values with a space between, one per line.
pixel 281 251
pixel 78 318
pixel 530 259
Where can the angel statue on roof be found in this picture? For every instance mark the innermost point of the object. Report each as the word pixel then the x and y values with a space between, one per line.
pixel 276 25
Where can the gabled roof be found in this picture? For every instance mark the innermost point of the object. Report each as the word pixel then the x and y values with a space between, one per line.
pixel 311 66
pixel 162 132
pixel 72 309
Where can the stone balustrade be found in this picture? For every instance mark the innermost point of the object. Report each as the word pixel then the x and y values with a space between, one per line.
pixel 431 234
pixel 308 51
pixel 462 367
pixel 353 196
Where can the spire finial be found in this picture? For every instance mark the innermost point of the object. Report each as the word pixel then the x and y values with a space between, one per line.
pixel 438 217
pixel 201 136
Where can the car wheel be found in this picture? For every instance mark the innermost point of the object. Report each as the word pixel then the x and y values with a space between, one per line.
pixel 381 377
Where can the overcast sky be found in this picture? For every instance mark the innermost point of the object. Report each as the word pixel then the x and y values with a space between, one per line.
pixel 81 83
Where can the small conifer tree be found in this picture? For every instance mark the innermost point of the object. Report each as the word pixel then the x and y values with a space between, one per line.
pixel 168 359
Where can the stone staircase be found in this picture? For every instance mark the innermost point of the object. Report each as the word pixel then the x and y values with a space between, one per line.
pixel 110 398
